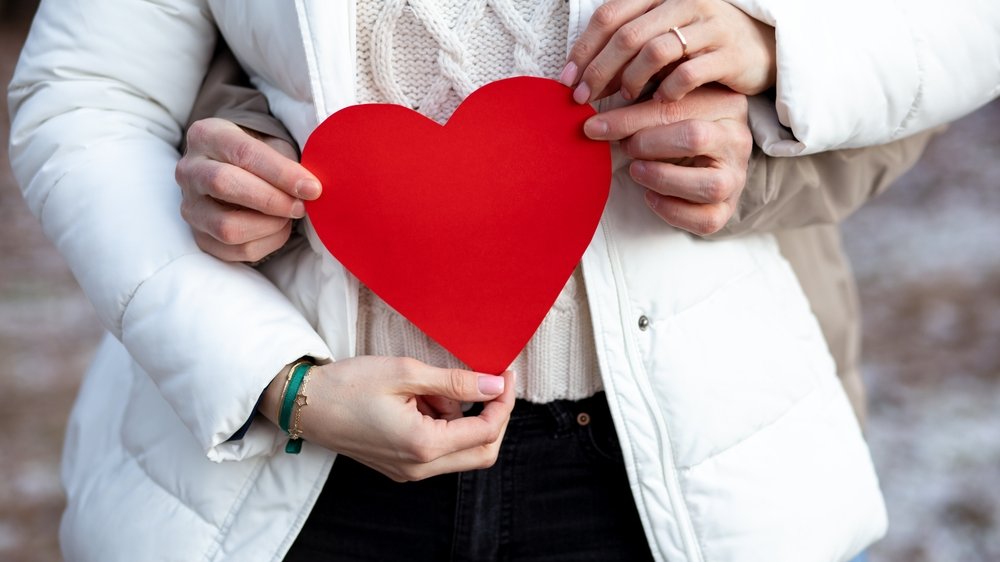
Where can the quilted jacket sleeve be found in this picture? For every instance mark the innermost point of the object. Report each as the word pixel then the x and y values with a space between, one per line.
pixel 862 72
pixel 97 100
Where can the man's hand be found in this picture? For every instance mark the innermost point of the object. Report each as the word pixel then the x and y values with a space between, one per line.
pixel 370 409
pixel 241 192
pixel 692 155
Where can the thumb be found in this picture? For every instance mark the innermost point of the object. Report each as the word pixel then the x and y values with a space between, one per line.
pixel 457 384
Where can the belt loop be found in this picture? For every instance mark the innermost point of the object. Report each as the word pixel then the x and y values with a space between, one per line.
pixel 561 415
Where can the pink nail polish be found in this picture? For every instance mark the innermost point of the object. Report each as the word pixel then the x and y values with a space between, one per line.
pixel 490 384
pixel 568 74
pixel 582 93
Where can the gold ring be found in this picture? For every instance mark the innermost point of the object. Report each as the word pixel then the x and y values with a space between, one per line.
pixel 684 43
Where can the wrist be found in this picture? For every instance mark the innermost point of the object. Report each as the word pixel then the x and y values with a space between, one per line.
pixel 270 402
pixel 285 397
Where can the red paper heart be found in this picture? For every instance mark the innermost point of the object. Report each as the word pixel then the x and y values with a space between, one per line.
pixel 471 229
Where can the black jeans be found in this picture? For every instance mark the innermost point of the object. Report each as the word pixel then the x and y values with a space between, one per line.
pixel 557 492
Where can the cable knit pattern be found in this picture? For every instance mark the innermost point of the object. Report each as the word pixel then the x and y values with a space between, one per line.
pixel 429 55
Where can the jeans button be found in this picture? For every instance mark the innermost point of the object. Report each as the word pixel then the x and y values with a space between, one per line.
pixel 583 418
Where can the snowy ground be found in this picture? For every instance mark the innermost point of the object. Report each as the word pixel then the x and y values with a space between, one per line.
pixel 928 258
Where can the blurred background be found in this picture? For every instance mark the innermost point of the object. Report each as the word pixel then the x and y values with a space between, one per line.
pixel 927 256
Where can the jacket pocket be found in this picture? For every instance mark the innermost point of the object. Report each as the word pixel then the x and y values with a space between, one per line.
pixel 734 363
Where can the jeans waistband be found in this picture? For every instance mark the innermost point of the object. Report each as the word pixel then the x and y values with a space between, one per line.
pixel 562 414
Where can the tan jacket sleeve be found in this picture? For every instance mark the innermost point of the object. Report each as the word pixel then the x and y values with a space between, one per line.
pixel 227 93
pixel 802 199
pixel 785 193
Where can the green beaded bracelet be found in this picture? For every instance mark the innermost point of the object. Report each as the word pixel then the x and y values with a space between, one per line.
pixel 298 373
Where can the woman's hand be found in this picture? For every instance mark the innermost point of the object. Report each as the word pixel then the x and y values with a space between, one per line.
pixel 241 192
pixel 629 42
pixel 371 409
pixel 691 155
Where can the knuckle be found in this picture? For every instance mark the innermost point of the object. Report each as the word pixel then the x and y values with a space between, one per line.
pixel 187 210
pixel 716 188
pixel 423 455
pixel 396 476
pixel 744 141
pixel 216 182
pixel 629 37
pixel 710 223
pixel 459 382
pixel 740 102
pixel 406 370
pixel 204 242
pixel 657 180
pixel 606 15
pixel 182 171
pixel 227 229
pixel 419 450
pixel 198 133
pixel 255 251
pixel 582 49
pixel 407 366
pixel 630 121
pixel 657 52
pixel 245 154
pixel 596 73
pixel 242 253
pixel 488 457
pixel 696 136
pixel 686 75
pixel 669 112
pixel 702 6
pixel 272 201
pixel 494 436
pixel 411 474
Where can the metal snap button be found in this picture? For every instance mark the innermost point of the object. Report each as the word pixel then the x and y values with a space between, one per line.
pixel 583 418
pixel 643 323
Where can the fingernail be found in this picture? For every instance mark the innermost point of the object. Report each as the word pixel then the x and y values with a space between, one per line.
pixel 582 93
pixel 626 95
pixel 638 168
pixel 568 74
pixel 490 384
pixel 657 96
pixel 298 210
pixel 595 128
pixel 307 189
pixel 652 200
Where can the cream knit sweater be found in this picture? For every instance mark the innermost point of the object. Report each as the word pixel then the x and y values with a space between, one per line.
pixel 429 55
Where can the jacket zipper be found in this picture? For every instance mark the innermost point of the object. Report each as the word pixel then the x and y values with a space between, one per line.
pixel 670 478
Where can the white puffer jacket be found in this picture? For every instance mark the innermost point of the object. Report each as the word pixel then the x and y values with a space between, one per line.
pixel 738 440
